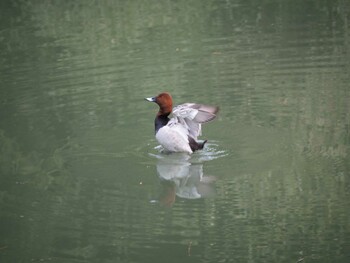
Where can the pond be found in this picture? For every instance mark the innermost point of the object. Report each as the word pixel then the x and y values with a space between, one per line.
pixel 82 177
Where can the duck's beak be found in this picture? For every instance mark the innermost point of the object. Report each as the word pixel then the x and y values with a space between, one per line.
pixel 153 99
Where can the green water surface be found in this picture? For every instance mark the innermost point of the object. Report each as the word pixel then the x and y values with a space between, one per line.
pixel 82 178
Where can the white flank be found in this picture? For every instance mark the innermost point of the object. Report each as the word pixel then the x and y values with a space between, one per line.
pixel 174 138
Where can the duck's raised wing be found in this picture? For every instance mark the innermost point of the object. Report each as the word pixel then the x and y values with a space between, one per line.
pixel 192 115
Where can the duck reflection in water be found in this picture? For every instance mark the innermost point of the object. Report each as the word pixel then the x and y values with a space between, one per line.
pixel 179 177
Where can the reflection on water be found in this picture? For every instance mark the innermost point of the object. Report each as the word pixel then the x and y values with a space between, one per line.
pixel 78 171
pixel 179 177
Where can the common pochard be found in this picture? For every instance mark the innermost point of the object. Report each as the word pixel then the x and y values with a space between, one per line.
pixel 179 133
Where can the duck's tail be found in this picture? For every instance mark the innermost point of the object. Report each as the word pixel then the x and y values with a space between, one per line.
pixel 195 146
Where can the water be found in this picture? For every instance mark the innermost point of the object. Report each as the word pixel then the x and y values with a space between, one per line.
pixel 81 175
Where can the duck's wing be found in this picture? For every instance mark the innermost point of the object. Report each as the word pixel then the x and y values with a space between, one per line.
pixel 192 115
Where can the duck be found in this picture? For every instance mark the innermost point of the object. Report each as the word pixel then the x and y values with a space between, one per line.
pixel 180 132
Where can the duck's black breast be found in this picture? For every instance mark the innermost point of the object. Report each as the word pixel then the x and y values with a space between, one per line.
pixel 160 122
